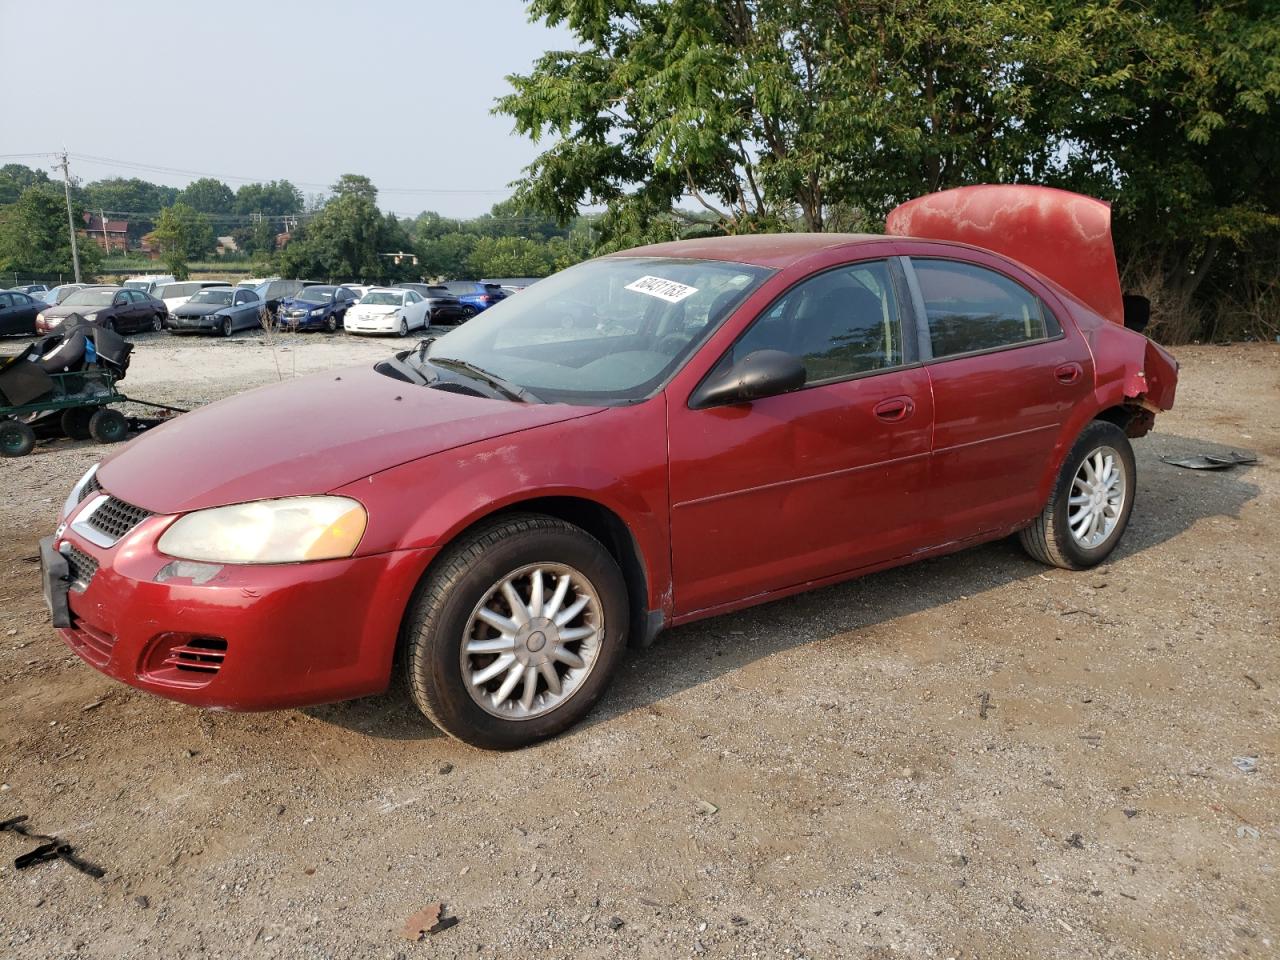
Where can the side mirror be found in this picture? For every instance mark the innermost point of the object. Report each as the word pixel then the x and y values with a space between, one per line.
pixel 764 373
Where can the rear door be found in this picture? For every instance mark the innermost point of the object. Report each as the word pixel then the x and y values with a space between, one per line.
pixel 10 321
pixel 1005 373
pixel 814 483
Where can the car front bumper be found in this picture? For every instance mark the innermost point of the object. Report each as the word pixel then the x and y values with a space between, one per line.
pixel 371 325
pixel 258 637
pixel 180 324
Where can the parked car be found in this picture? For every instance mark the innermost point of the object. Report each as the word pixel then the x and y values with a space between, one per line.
pixel 61 292
pixel 31 289
pixel 442 306
pixel 148 283
pixel 179 292
pixel 18 312
pixel 512 284
pixel 388 310
pixel 113 308
pixel 476 293
pixel 221 310
pixel 359 289
pixel 273 291
pixel 642 440
pixel 315 308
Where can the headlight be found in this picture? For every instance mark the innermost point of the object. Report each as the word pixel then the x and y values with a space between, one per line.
pixel 73 498
pixel 39 318
pixel 315 310
pixel 90 317
pixel 288 530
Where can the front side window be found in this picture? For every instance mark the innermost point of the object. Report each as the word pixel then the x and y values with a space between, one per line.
pixel 839 323
pixel 971 308
pixel 611 330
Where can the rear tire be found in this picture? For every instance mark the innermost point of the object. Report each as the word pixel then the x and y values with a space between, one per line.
pixel 1062 536
pixel 16 439
pixel 108 426
pixel 467 578
pixel 75 422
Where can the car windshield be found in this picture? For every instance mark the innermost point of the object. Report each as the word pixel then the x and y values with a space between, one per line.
pixel 438 292
pixel 382 298
pixel 90 298
pixel 315 295
pixel 221 297
pixel 607 331
pixel 137 284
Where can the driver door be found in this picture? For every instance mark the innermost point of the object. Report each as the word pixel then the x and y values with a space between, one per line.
pixel 814 483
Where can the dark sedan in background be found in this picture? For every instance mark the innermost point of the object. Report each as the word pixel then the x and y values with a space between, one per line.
pixel 218 310
pixel 442 306
pixel 112 308
pixel 321 307
pixel 18 312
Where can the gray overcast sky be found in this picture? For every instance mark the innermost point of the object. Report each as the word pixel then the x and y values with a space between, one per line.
pixel 302 90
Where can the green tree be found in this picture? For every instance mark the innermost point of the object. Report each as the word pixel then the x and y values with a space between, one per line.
pixel 16 177
pixel 275 199
pixel 208 195
pixel 448 255
pixel 182 234
pixel 510 257
pixel 34 236
pixel 343 240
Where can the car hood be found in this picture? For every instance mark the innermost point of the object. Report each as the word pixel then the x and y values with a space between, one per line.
pixel 306 436
pixel 62 311
pixel 198 309
pixel 373 310
pixel 290 303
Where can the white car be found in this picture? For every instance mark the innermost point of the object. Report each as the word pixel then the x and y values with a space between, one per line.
pixel 148 282
pixel 359 289
pixel 387 310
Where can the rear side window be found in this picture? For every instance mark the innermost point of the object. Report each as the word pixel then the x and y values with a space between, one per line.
pixel 971 308
pixel 839 323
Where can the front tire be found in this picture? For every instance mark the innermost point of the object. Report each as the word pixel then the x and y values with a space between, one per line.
pixel 515 632
pixel 404 328
pixel 1091 501
pixel 75 422
pixel 331 323
pixel 227 327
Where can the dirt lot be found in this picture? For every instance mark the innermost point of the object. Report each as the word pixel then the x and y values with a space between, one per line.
pixel 864 806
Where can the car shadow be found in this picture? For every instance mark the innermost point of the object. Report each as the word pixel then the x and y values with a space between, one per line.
pixel 1170 500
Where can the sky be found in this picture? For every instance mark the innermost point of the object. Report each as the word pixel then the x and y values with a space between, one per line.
pixel 395 90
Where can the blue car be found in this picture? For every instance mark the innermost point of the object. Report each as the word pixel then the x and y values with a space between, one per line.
pixel 475 293
pixel 321 307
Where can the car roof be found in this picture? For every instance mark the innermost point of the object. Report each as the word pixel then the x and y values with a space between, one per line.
pixel 776 250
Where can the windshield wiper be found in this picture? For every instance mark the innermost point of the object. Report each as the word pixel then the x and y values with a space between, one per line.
pixel 512 390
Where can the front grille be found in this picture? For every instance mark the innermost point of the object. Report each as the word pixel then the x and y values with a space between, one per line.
pixel 90 488
pixel 81 566
pixel 115 518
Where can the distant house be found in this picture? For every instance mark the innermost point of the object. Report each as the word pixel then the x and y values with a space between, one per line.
pixel 227 245
pixel 111 235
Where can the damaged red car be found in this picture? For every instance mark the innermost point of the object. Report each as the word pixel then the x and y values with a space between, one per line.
pixel 642 440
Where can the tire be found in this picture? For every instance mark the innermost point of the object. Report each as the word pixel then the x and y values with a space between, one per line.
pixel 157 323
pixel 1051 538
pixel 109 325
pixel 75 422
pixel 445 609
pixel 16 439
pixel 468 312
pixel 227 327
pixel 404 328
pixel 108 426
pixel 331 323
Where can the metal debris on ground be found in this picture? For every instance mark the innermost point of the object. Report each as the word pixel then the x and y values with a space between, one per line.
pixel 1075 841
pixel 707 809
pixel 1211 461
pixel 51 848
pixel 984 705
pixel 430 919
pixel 1245 764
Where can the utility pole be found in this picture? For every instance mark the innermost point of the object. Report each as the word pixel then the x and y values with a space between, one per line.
pixel 106 240
pixel 71 223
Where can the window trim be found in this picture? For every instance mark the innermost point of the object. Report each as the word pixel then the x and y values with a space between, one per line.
pixel 904 315
pixel 924 335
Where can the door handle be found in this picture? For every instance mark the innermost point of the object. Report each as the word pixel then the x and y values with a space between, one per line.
pixel 894 409
pixel 1068 372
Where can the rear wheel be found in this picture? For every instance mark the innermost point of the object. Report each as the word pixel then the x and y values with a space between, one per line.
pixel 16 439
pixel 75 422
pixel 468 312
pixel 108 426
pixel 516 632
pixel 1091 501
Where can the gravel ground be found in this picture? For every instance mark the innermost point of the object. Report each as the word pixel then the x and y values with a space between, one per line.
pixel 818 777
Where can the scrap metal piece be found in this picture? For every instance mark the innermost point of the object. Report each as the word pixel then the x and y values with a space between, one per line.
pixel 1211 461
pixel 53 848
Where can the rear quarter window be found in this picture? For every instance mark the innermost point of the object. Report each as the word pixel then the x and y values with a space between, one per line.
pixel 971 309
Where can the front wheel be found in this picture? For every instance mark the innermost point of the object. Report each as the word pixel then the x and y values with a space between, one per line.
pixel 516 632
pixel 108 426
pixel 157 323
pixel 404 328
pixel 1091 501
pixel 331 323
pixel 227 327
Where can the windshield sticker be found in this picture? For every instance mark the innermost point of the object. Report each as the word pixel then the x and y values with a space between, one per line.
pixel 667 290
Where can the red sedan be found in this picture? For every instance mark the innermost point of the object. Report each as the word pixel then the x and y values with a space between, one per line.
pixel 642 440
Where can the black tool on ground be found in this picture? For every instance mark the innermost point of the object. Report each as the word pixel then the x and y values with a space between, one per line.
pixel 53 848
pixel 1212 461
